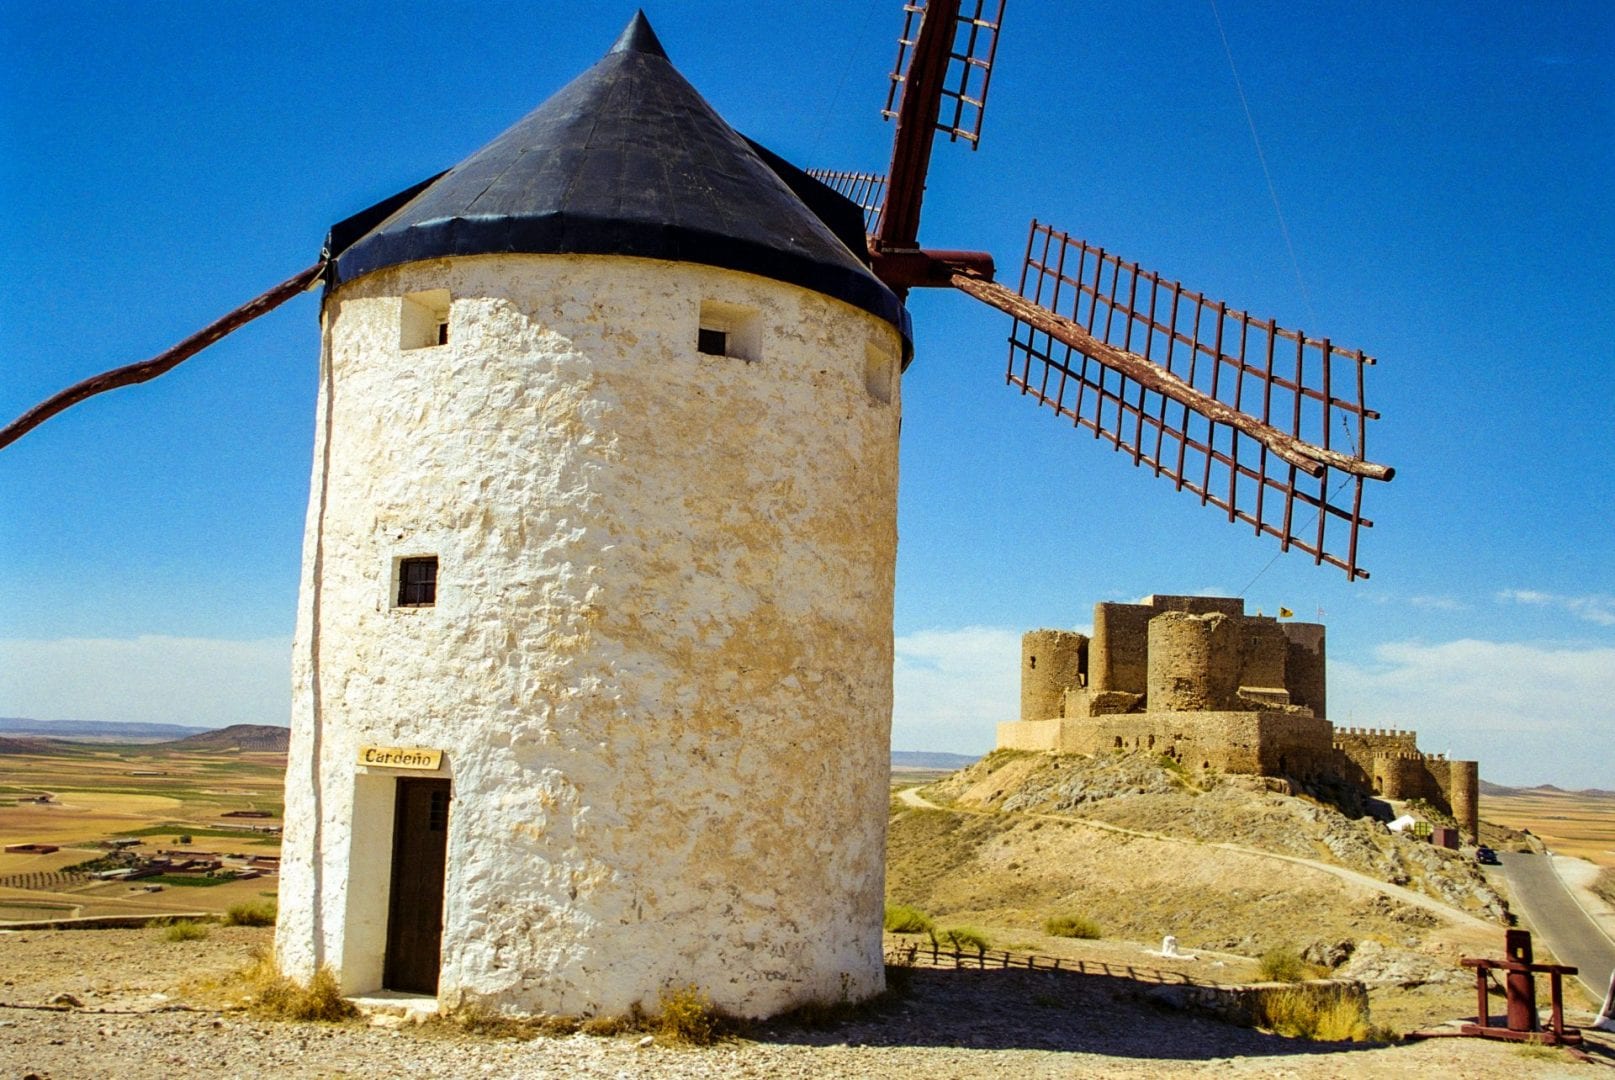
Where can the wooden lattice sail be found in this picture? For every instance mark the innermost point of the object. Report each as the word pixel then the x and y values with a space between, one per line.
pixel 1265 423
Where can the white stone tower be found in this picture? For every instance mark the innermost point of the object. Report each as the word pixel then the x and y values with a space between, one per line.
pixel 593 661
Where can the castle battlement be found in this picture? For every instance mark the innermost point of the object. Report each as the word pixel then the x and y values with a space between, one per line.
pixel 1379 733
pixel 1196 679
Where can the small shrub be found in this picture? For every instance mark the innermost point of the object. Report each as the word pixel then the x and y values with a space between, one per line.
pixel 902 919
pixel 274 996
pixel 1323 1014
pixel 965 939
pixel 185 930
pixel 251 913
pixel 686 1016
pixel 1072 926
pixel 1282 963
pixel 1604 884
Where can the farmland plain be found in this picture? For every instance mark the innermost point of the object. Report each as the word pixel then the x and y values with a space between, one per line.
pixel 1578 823
pixel 94 793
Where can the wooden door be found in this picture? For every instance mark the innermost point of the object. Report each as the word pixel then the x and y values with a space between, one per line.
pixel 415 911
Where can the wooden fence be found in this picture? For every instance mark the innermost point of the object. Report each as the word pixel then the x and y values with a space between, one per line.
pixel 935 955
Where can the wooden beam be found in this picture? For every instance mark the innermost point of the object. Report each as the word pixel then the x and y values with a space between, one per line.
pixel 916 125
pixel 1310 459
pixel 164 361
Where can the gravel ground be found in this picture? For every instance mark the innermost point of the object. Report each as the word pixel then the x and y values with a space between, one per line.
pixel 136 1020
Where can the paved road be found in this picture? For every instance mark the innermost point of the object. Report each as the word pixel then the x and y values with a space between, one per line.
pixel 1558 920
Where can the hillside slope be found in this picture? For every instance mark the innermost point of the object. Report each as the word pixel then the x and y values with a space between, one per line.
pixel 260 737
pixel 1015 843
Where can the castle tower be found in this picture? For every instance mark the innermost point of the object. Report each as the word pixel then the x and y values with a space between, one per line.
pixel 1194 661
pixel 1464 796
pixel 1052 662
pixel 592 672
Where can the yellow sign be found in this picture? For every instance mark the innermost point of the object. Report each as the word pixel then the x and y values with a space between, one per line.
pixel 400 757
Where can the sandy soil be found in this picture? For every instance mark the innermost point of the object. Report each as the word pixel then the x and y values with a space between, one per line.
pixel 138 1021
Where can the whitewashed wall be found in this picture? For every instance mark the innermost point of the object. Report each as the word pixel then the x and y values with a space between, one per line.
pixel 660 659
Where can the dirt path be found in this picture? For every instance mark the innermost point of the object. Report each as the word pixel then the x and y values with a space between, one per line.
pixel 911 797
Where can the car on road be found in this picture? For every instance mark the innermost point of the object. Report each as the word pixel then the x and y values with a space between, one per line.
pixel 1486 856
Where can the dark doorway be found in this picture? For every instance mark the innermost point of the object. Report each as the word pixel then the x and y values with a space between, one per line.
pixel 415 911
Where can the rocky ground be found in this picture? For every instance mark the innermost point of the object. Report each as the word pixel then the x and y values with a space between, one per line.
pixel 138 1007
pixel 1143 792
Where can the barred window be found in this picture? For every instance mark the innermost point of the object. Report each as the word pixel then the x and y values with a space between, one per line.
pixel 417 582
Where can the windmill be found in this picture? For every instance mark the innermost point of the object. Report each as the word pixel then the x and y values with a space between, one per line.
pixel 592 675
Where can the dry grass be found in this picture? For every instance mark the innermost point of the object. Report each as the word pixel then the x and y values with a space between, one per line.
pixel 1319 1013
pixel 271 995
pixel 473 1018
pixel 965 939
pixel 1533 1049
pixel 1283 963
pixel 1072 926
pixel 258 913
pixel 185 930
pixel 686 1016
pixel 1604 885
pixel 902 919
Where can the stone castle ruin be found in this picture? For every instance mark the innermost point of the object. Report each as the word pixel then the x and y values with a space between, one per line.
pixel 1198 680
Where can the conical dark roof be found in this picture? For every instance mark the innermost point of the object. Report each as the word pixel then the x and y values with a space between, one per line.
pixel 627 159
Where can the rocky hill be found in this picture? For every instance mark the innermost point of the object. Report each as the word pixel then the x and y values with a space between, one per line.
pixel 39 747
pixel 258 737
pixel 1232 864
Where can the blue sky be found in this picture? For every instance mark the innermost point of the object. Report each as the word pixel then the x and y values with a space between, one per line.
pixel 1444 171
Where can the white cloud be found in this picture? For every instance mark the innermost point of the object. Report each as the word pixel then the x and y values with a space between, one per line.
pixel 952 687
pixel 1594 608
pixel 1530 713
pixel 149 679
pixel 1437 603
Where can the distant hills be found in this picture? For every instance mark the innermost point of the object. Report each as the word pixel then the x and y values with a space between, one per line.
pixel 1501 791
pixel 102 730
pixel 925 759
pixel 261 737
pixel 19 735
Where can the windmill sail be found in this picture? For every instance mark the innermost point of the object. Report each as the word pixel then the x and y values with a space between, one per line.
pixel 868 190
pixel 963 87
pixel 1265 423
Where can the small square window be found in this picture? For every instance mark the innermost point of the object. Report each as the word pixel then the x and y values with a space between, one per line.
pixel 417 582
pixel 423 320
pixel 728 330
pixel 712 342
